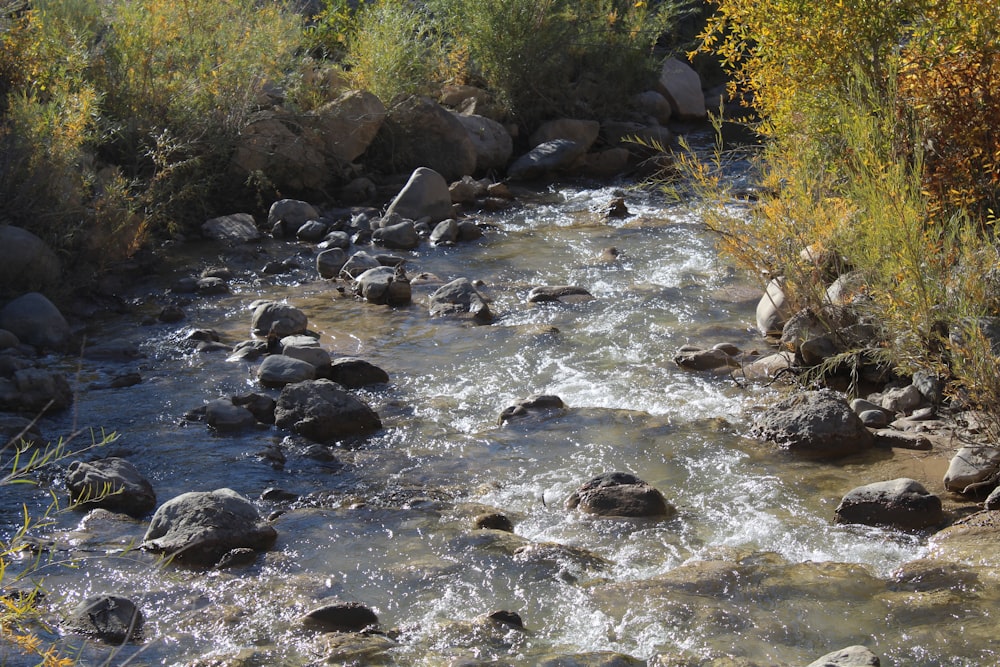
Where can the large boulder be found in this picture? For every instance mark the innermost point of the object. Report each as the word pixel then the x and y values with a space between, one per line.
pixel 583 132
pixel 26 262
pixel 681 85
pixel 36 321
pixel 973 468
pixel 619 494
pixel 201 527
pixel 491 140
pixel 271 145
pixel 460 298
pixel 235 228
pixel 425 195
pixel 324 412
pixel 112 483
pixel 280 319
pixel 348 125
pixel 419 132
pixel 899 503
pixel 544 159
pixel 817 424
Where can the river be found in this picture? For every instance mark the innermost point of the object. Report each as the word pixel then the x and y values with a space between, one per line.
pixel 751 568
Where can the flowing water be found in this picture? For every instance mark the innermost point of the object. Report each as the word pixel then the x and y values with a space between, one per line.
pixel 751 567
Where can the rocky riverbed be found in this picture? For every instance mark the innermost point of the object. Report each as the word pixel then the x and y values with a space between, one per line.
pixel 535 441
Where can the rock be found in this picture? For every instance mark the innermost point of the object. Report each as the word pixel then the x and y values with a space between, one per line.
pixel 235 228
pixel 445 232
pixel 353 373
pixel 14 429
pixel 425 195
pixel 532 405
pixel 494 521
pixel 562 293
pixel 469 231
pixel 248 350
pixel 818 424
pixel 26 262
pixel 592 659
pixel 852 656
pixel 269 146
pixel 681 85
pixel 653 104
pixel 544 159
pixel 491 140
pixel 278 318
pixel 348 125
pixel 697 359
pixel 902 400
pixel 36 321
pixel 606 163
pixel 290 214
pixel 330 262
pixel 35 390
pixel 8 340
pixel 312 354
pixel 358 263
pixel 324 412
pixel 226 417
pixel 619 494
pixel 582 132
pixel 259 405
pixel 460 297
pixel 639 139
pixel 341 617
pixel 929 386
pixel 973 469
pixel 172 314
pixel 846 288
pixel 400 236
pixel 109 618
pixel 111 483
pixel 772 309
pixel 418 132
pixel 992 501
pixel 201 527
pixel 311 231
pixel 277 370
pixel 899 503
pixel 361 190
pixel 887 437
pixel 766 368
pixel 874 418
pixel 384 285
pixel 210 286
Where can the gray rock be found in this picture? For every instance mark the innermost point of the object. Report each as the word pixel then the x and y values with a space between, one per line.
pixel 201 527
pixel 109 618
pixel 772 309
pixel 582 132
pixel 899 503
pixel 330 262
pixel 312 354
pixel 35 390
pixel 445 232
pixel 592 659
pixel 268 145
pixel 341 617
pixel 874 418
pixel 226 417
pixel 312 231
pixel 888 437
pixel 398 236
pixel 902 400
pixel 846 288
pixel 259 405
pixel 278 318
pixel 425 195
pixel 336 239
pixel 929 386
pixel 817 424
pixel 469 231
pixel 235 228
pixel 654 104
pixel 640 140
pixel 697 359
pixel 291 214
pixel 533 405
pixel 113 484
pixel 491 140
pixel 544 159
pixel 973 468
pixel 563 293
pixel 992 501
pixel 384 285
pixel 681 85
pixel 324 412
pixel 277 370
pixel 352 373
pixel 8 340
pixel 619 494
pixel 36 321
pixel 419 132
pixel 358 263
pixel 26 262
pixel 852 656
pixel 348 125
pixel 461 298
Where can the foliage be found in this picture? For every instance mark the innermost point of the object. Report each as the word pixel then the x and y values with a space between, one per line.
pixel 883 155
pixel 332 29
pixel 542 57
pixel 21 463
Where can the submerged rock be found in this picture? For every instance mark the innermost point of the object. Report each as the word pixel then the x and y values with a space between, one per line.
pixel 341 617
pixel 201 527
pixel 533 405
pixel 110 618
pixel 560 293
pixel 618 494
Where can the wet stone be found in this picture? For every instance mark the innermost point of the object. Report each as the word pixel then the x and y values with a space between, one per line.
pixel 494 521
pixel 111 483
pixel 618 494
pixel 110 618
pixel 341 617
